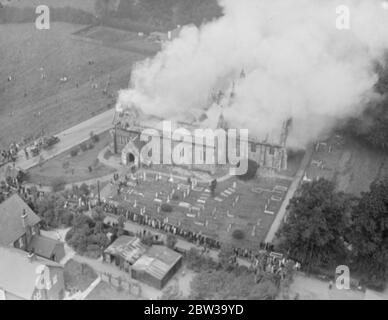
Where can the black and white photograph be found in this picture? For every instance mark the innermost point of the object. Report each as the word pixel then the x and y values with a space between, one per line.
pixel 205 152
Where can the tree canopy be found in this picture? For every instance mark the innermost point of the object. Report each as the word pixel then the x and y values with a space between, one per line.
pixel 314 229
pixel 370 233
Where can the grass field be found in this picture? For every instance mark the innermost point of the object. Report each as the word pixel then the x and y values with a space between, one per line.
pixel 72 169
pixel 86 5
pixel 30 104
pixel 121 39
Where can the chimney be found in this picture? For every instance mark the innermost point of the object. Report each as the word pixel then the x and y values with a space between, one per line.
pixel 31 257
pixel 24 219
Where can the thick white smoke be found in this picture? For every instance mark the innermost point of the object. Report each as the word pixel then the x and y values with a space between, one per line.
pixel 297 64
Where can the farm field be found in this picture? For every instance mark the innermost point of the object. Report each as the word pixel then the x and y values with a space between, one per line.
pixel 72 169
pixel 37 101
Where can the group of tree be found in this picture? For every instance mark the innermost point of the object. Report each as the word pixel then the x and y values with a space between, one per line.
pixel 87 235
pixel 325 228
pixel 226 279
pixel 51 209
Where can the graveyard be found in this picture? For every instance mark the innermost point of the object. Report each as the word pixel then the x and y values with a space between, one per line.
pixel 239 213
pixel 351 165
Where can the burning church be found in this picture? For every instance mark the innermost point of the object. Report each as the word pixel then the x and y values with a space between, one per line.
pixel 130 123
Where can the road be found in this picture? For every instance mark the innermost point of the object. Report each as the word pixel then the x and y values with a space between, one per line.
pixel 68 139
pixel 290 193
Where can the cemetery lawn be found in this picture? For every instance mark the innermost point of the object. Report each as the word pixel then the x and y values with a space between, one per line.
pixel 62 166
pixel 219 219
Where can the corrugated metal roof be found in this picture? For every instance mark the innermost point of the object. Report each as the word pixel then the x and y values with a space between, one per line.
pixel 157 261
pixel 129 248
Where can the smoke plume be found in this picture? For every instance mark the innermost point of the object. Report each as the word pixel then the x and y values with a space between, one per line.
pixel 297 64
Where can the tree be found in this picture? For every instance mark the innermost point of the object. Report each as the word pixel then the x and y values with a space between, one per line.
pixel 58 184
pixel 315 226
pixel 221 285
pixel 197 262
pixel 120 225
pixel 369 236
pixel 98 214
pixel 171 241
pixel 213 186
pixel 226 256
pixel 251 171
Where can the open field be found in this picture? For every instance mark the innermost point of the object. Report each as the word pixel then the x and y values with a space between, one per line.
pixel 72 169
pixel 36 99
pixel 350 164
pixel 257 203
pixel 120 39
pixel 86 5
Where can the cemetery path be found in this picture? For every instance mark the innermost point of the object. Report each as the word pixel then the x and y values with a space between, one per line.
pixel 290 193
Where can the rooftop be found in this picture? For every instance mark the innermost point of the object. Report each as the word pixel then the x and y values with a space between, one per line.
pixel 129 248
pixel 18 273
pixel 43 246
pixel 11 223
pixel 157 261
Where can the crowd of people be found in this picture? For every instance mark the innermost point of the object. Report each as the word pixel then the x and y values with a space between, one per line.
pixel 10 154
pixel 157 224
pixel 260 258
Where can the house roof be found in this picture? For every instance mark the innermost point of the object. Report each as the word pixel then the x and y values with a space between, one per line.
pixel 129 248
pixel 11 224
pixel 157 261
pixel 43 246
pixel 18 274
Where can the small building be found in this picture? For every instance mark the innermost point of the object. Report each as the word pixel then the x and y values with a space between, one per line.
pixel 25 276
pixel 157 266
pixel 18 223
pixel 124 252
pixel 47 248
pixel 20 228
